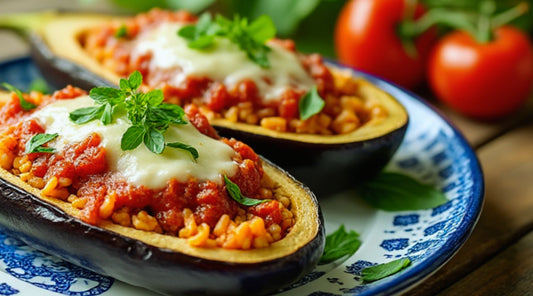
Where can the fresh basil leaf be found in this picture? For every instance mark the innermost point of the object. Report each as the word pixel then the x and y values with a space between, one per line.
pixel 39 85
pixel 339 244
pixel 107 114
pixel 132 138
pixel 23 103
pixel 235 193
pixel 84 115
pixel 202 42
pixel 36 142
pixel 174 113
pixel 135 80
pixel 377 272
pixel 262 29
pixel 154 97
pixel 398 192
pixel 104 95
pixel 121 32
pixel 187 32
pixel 125 86
pixel 154 140
pixel 190 149
pixel 310 104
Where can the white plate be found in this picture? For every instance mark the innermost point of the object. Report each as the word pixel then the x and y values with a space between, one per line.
pixel 433 151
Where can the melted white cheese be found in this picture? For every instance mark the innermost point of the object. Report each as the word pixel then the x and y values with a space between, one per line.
pixel 141 166
pixel 225 62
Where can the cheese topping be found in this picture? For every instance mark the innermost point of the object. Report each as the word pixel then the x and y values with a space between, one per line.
pixel 225 62
pixel 141 166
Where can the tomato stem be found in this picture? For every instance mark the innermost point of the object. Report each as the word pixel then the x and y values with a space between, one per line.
pixel 480 25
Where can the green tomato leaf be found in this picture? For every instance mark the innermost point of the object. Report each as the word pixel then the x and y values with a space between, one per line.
pixel 398 192
pixel 132 138
pixel 154 140
pixel 340 244
pixel 36 142
pixel 377 272
pixel 190 149
pixel 310 104
pixel 84 115
pixel 23 103
pixel 235 193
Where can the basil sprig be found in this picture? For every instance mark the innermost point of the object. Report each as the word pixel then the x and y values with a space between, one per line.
pixel 235 193
pixel 379 271
pixel 250 37
pixel 310 104
pixel 339 244
pixel 149 116
pixel 23 103
pixel 398 192
pixel 35 144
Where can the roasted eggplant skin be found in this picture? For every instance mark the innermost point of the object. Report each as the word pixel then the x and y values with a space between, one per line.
pixel 50 229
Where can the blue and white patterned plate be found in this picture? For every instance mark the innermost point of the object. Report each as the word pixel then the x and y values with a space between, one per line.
pixel 433 151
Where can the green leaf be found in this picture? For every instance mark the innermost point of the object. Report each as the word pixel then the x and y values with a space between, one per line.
pixel 39 85
pixel 262 29
pixel 154 140
pixel 377 272
pixel 36 142
pixel 23 103
pixel 107 114
pixel 154 97
pixel 340 244
pixel 104 95
pixel 84 115
pixel 235 193
pixel 398 192
pixel 310 104
pixel 124 85
pixel 121 32
pixel 135 80
pixel 174 113
pixel 190 149
pixel 132 138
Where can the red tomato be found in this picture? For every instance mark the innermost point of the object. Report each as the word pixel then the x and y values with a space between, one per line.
pixel 483 80
pixel 366 38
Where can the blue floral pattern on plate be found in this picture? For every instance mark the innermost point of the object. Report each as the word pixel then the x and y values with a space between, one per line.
pixel 433 151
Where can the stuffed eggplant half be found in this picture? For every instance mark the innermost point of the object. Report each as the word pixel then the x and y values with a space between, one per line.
pixel 124 184
pixel 293 108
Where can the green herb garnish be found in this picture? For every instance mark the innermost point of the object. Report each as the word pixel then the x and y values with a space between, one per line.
pixel 379 271
pixel 39 85
pixel 310 104
pixel 121 32
pixel 235 193
pixel 149 116
pixel 35 144
pixel 250 37
pixel 190 149
pixel 23 103
pixel 340 244
pixel 399 192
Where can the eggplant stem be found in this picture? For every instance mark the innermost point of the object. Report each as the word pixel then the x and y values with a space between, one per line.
pixel 24 23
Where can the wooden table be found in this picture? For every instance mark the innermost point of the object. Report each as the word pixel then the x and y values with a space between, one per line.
pixel 498 257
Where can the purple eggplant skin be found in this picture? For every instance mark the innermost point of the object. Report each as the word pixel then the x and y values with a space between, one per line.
pixel 47 228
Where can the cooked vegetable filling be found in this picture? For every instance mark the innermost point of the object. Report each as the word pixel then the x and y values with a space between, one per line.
pixel 219 65
pixel 222 198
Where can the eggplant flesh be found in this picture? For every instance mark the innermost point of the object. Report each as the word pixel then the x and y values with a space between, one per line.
pixel 163 263
pixel 312 159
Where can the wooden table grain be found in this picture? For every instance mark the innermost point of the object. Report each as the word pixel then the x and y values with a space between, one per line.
pixel 497 259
